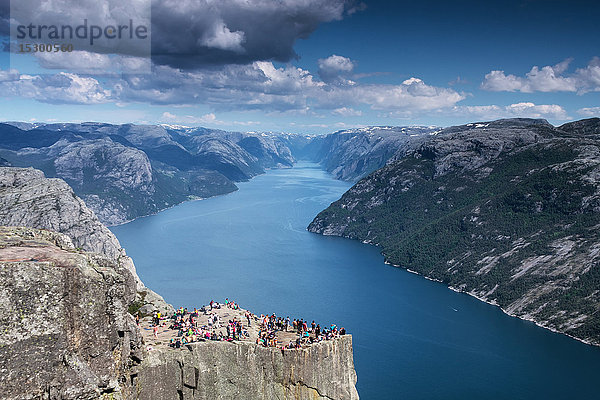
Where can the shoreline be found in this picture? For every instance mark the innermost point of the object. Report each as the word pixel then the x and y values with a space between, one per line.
pixel 200 198
pixel 168 208
pixel 493 303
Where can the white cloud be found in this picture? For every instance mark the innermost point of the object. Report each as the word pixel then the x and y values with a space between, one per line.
pixel 347 112
pixel 210 119
pixel 412 95
pixel 75 60
pixel 59 88
pixel 262 86
pixel 220 37
pixel 589 77
pixel 517 110
pixel 336 64
pixel 188 119
pixel 589 111
pixel 335 69
pixel 496 81
pixel 9 76
pixel 93 63
pixel 547 79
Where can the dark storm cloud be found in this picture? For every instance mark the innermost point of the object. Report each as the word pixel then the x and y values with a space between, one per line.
pixel 4 17
pixel 191 34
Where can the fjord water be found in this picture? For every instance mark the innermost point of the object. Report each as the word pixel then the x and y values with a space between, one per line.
pixel 413 338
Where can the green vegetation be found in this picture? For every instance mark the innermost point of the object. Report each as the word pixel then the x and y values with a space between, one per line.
pixel 527 206
pixel 134 308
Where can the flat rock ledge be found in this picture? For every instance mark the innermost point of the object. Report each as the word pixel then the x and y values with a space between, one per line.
pixel 67 334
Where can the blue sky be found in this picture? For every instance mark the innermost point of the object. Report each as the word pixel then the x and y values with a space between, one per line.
pixel 316 66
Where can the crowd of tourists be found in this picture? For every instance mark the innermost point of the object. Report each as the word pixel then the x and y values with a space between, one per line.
pixel 186 326
pixel 307 334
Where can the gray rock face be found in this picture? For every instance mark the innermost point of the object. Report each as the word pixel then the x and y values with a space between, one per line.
pixel 88 161
pixel 590 126
pixel 221 370
pixel 29 199
pixel 117 181
pixel 352 154
pixel 468 147
pixel 66 332
pixel 104 169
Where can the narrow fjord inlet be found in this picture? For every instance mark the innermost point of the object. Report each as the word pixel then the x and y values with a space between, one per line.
pixel 412 338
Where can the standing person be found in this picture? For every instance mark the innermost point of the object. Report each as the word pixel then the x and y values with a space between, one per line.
pixel 211 304
pixel 287 323
pixel 312 326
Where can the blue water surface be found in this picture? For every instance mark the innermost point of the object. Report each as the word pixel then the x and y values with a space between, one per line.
pixel 413 338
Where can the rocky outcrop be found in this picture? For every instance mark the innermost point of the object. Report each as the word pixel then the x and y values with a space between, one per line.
pixel 506 211
pixel 66 332
pixel 67 335
pixel 221 370
pixel 29 199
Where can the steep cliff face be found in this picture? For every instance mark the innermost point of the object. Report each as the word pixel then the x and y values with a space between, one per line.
pixel 354 153
pixel 27 198
pixel 66 332
pixel 507 211
pixel 221 370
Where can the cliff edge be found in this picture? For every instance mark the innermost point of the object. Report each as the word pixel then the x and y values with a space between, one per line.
pixel 28 198
pixel 242 370
pixel 67 332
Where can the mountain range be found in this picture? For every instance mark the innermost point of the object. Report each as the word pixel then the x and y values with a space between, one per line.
pixel 126 171
pixel 507 211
